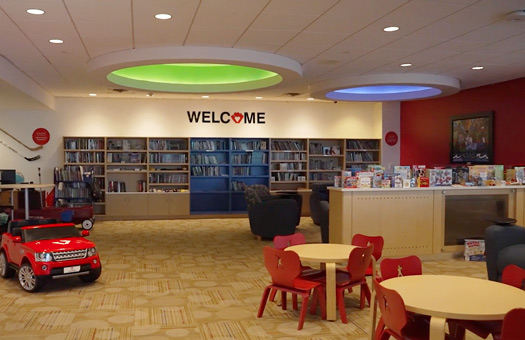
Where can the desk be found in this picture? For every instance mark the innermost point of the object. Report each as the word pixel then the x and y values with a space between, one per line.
pixel 26 188
pixel 454 297
pixel 327 254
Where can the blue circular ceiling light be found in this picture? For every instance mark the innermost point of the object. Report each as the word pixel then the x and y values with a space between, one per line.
pixel 385 87
pixel 383 93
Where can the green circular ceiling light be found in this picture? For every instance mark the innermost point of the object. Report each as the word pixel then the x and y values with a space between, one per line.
pixel 194 77
pixel 194 69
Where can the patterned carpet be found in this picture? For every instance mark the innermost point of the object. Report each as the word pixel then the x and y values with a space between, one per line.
pixel 181 279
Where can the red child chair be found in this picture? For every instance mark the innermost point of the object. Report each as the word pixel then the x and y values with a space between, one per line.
pixel 285 269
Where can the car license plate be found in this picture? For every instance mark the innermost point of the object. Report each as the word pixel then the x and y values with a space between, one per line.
pixel 73 269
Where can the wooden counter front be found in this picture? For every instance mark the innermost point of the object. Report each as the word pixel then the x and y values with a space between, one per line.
pixel 412 220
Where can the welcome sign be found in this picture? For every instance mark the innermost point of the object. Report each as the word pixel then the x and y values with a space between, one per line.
pixel 225 117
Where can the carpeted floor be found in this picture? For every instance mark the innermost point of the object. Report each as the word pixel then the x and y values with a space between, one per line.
pixel 180 279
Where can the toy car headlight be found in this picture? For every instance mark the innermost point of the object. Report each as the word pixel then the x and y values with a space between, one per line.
pixel 43 257
pixel 91 251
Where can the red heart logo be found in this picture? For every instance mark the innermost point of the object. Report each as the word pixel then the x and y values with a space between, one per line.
pixel 237 117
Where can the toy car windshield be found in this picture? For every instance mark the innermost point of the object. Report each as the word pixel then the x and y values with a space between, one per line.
pixel 49 233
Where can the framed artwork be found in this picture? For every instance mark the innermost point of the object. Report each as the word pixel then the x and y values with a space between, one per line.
pixel 471 138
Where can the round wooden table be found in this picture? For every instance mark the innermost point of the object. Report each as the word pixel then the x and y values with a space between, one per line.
pixel 455 297
pixel 327 255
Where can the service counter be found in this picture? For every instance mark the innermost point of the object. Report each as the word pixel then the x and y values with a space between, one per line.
pixel 421 221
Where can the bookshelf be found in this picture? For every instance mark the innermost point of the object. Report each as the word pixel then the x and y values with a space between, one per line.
pixel 210 175
pixel 126 165
pixel 173 176
pixel 249 161
pixel 90 154
pixel 71 187
pixel 168 164
pixel 362 152
pixel 326 160
pixel 289 164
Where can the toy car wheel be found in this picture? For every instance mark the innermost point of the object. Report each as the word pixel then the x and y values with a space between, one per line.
pixel 92 276
pixel 5 270
pixel 27 278
pixel 87 224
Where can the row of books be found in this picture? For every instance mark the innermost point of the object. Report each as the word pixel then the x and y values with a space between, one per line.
pixel 289 156
pixel 167 157
pixel 325 164
pixel 323 177
pixel 250 158
pixel 84 144
pixel 360 157
pixel 249 145
pixel 238 186
pixel 320 149
pixel 71 173
pixel 73 190
pixel 126 144
pixel 209 145
pixel 84 157
pixel 168 178
pixel 207 171
pixel 288 177
pixel 287 145
pixel 206 159
pixel 167 144
pixel 288 166
pixel 126 157
pixel 421 176
pixel 362 144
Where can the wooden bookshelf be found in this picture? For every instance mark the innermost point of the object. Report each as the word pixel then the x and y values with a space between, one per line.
pixel 289 164
pixel 362 152
pixel 326 159
pixel 172 176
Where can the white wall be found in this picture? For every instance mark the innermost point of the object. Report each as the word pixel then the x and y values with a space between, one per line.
pixel 152 117
pixel 391 115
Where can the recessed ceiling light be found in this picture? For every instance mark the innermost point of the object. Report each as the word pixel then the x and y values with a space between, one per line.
pixel 205 97
pixel 92 94
pixel 163 16
pixel 406 65
pixel 56 41
pixel 391 29
pixel 477 68
pixel 258 97
pixel 310 98
pixel 35 11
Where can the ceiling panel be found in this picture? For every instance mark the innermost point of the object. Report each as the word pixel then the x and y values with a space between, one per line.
pixel 331 38
pixel 222 22
pixel 103 26
pixel 149 31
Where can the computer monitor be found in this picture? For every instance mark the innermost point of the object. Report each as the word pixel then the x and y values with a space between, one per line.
pixel 7 176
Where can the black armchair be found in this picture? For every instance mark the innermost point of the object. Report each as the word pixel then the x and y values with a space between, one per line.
pixel 319 209
pixel 504 245
pixel 270 215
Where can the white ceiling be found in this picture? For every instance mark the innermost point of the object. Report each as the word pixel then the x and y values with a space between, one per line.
pixel 329 38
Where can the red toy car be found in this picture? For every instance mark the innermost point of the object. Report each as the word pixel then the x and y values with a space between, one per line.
pixel 41 249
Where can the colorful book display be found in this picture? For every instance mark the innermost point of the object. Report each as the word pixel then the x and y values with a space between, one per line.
pixel 440 177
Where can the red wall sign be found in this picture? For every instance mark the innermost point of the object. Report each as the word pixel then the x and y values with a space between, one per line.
pixel 41 136
pixel 391 138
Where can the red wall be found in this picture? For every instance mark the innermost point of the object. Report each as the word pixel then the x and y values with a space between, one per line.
pixel 425 124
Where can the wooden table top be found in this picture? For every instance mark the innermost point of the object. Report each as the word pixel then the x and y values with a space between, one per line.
pixel 456 297
pixel 323 252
